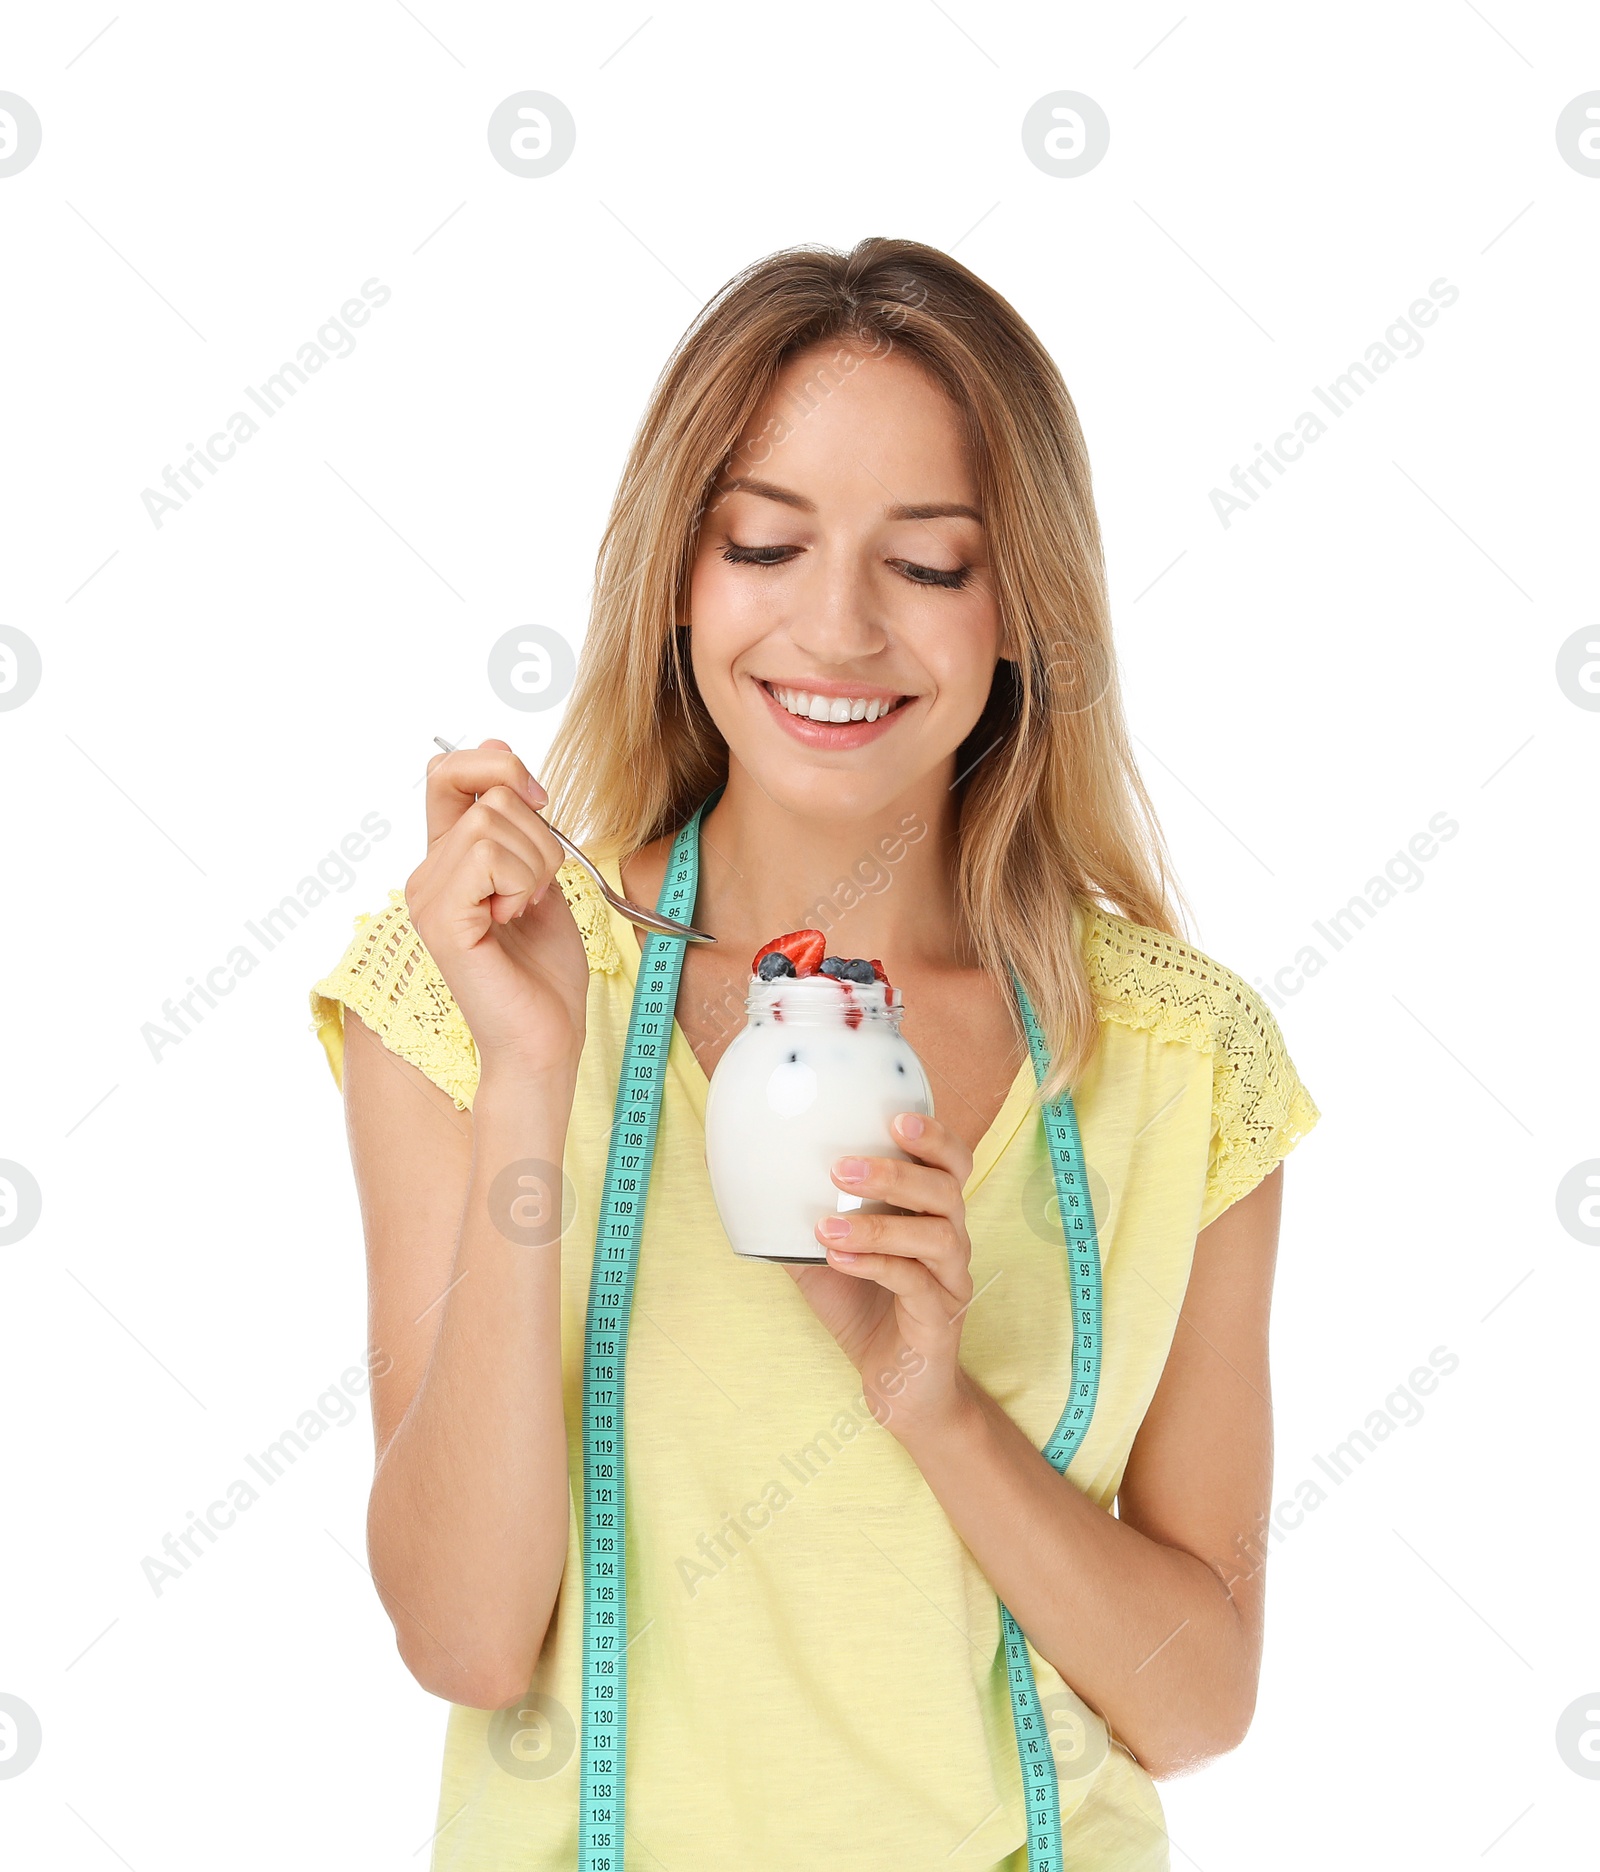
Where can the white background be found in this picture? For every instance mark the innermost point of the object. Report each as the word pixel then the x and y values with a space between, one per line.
pixel 226 696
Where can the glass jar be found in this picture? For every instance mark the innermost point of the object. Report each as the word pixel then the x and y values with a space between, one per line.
pixel 817 1073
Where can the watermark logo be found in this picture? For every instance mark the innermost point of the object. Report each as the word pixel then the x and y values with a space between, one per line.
pixel 1577 668
pixel 335 873
pixel 864 340
pixel 532 667
pixel 1079 1740
pixel 717 1548
pixel 531 133
pixel 1578 1736
pixel 1401 875
pixel 533 1203
pixel 1577 1202
pixel 20 1736
pixel 1076 677
pixel 535 1738
pixel 1402 1409
pixel 870 876
pixel 1041 1204
pixel 1400 339
pixel 333 1410
pixel 332 340
pixel 20 133
pixel 21 1202
pixel 1065 133
pixel 1578 134
pixel 21 666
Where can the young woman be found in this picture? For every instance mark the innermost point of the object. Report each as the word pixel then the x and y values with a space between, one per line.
pixel 860 488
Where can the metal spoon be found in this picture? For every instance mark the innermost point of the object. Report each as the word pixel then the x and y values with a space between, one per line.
pixel 635 913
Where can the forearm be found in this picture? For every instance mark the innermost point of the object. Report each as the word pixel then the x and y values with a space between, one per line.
pixel 1145 1633
pixel 468 1517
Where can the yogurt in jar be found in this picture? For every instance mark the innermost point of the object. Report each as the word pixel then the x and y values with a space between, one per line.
pixel 817 1073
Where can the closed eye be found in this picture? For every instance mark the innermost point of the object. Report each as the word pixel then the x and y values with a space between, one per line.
pixel 948 578
pixel 952 578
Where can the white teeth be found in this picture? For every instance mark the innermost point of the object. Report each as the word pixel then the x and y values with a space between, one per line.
pixel 822 708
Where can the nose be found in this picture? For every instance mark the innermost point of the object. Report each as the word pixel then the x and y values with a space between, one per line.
pixel 838 617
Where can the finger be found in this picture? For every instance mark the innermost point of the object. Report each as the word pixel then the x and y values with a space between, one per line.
pixel 935 1241
pixel 519 830
pixel 487 872
pixel 485 860
pixel 455 780
pixel 452 879
pixel 933 1143
pixel 914 1186
pixel 544 847
pixel 909 1281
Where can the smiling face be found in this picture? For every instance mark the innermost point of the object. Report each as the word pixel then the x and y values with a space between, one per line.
pixel 843 624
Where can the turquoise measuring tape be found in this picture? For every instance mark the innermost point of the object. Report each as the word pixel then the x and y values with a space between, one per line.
pixel 616 1252
pixel 1040 1790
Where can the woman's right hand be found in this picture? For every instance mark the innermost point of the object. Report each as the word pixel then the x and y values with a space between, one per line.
pixel 485 902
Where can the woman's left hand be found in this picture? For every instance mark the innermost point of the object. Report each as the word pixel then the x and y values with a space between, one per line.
pixel 896 1288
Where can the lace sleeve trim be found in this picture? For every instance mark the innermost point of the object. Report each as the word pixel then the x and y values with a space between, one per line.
pixel 388 978
pixel 592 914
pixel 1156 984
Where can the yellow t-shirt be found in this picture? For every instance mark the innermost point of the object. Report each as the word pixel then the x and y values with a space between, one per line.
pixel 815 1670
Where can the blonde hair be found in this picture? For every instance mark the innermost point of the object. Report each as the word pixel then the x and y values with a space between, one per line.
pixel 1053 813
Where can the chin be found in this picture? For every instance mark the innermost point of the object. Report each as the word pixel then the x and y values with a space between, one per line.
pixel 818 790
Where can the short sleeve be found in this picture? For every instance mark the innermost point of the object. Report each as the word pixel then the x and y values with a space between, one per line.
pixel 1155 982
pixel 387 977
pixel 1259 1108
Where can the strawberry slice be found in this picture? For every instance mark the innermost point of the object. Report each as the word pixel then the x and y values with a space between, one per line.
pixel 877 969
pixel 804 948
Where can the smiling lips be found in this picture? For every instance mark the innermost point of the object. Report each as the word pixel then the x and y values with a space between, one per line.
pixel 832 720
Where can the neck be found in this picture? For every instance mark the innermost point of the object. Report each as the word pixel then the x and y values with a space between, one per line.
pixel 880 885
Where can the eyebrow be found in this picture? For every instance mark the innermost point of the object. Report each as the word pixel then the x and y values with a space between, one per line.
pixel 922 510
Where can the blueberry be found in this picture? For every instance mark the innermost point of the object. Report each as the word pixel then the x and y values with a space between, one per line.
pixel 774 965
pixel 835 966
pixel 858 971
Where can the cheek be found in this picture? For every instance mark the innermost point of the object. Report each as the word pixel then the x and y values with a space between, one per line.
pixel 961 656
pixel 726 618
pixel 736 599
pixel 708 603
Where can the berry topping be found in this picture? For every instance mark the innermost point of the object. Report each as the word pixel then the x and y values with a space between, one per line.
pixel 855 970
pixel 800 954
pixel 802 947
